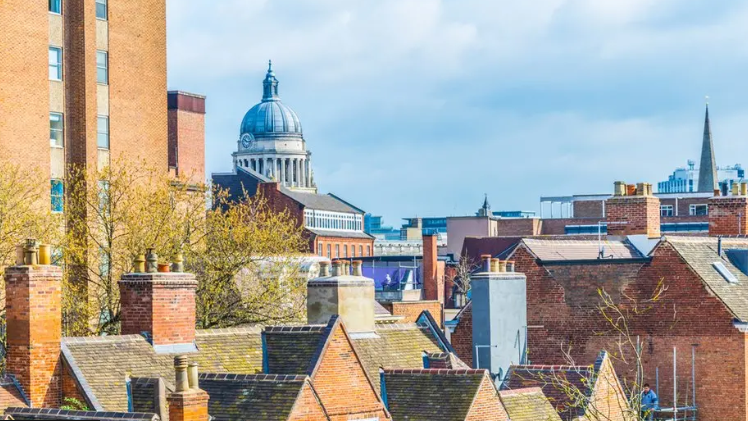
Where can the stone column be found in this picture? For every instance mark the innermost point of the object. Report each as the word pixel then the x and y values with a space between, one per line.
pixel 294 172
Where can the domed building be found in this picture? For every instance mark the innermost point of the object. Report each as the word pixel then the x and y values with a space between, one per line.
pixel 271 142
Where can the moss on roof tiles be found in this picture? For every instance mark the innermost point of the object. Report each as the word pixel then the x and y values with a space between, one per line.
pixel 106 362
pixel 265 398
pixel 431 397
pixel 291 352
pixel 528 405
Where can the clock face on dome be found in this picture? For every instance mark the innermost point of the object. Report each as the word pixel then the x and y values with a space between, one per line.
pixel 248 141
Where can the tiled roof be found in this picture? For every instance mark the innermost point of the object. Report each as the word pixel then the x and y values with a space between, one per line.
pixel 560 250
pixel 61 414
pixel 290 349
pixel 446 360
pixel 398 345
pixel 431 394
pixel 337 233
pixel 265 397
pixel 10 394
pixel 144 393
pixel 563 385
pixel 528 404
pixel 319 201
pixel 104 363
pixel 475 247
pixel 700 253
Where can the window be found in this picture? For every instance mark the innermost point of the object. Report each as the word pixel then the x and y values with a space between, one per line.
pixel 57 193
pixel 102 67
pixel 337 250
pixel 361 251
pixel 698 210
pixel 368 250
pixel 353 251
pixel 55 63
pixel 722 269
pixel 54 6
pixel 102 132
pixel 320 249
pixel 55 130
pixel 666 210
pixel 345 250
pixel 329 253
pixel 101 9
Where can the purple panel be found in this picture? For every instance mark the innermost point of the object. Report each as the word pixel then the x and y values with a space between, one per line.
pixel 392 277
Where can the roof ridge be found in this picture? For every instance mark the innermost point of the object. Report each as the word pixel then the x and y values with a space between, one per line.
pixel 228 330
pixel 436 371
pixel 277 378
pixel 295 329
pixel 522 391
pixel 102 339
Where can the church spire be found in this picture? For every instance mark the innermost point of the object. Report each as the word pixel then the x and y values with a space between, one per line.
pixel 485 210
pixel 708 181
pixel 270 84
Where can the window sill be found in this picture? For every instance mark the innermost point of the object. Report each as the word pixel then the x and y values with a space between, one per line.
pixel 102 84
pixel 102 19
pixel 55 13
pixel 57 147
pixel 55 80
pixel 103 149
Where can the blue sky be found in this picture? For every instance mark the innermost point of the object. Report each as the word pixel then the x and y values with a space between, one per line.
pixel 418 107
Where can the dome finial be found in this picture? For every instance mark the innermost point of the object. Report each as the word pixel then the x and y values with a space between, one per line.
pixel 270 84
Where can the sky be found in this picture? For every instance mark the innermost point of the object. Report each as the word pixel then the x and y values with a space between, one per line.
pixel 419 107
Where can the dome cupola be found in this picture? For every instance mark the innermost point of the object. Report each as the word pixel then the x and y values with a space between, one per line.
pixel 271 118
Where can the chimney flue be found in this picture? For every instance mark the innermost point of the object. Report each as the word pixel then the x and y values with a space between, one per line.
pixel 180 371
pixel 324 269
pixel 192 375
pixel 357 268
pixel 487 262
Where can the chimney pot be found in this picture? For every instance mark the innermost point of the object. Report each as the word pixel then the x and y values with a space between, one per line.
pixel 631 190
pixel 717 192
pixel 31 252
pixel 180 369
pixel 510 265
pixel 487 262
pixel 139 264
pixel 151 261
pixel 619 188
pixel 502 265
pixel 192 375
pixel 744 189
pixel 324 269
pixel 494 265
pixel 735 189
pixel 357 268
pixel 45 254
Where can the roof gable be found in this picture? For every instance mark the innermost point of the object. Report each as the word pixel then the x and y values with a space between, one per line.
pixel 559 250
pixel 528 404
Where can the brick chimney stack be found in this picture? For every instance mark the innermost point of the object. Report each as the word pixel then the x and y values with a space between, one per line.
pixel 162 306
pixel 34 328
pixel 728 214
pixel 633 211
pixel 188 402
pixel 433 270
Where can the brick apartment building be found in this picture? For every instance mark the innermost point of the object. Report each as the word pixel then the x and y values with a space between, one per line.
pixel 83 82
pixel 699 319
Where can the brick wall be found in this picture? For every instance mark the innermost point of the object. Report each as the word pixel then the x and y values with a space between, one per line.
pixel 338 366
pixel 307 407
pixel 728 215
pixel 187 135
pixel 34 330
pixel 557 226
pixel 412 309
pixel 608 400
pixel 361 245
pixel 162 304
pixel 563 314
pixel 190 405
pixel 433 271
pixel 632 215
pixel 70 387
pixel 588 209
pixel 24 85
pixel 137 81
pixel 462 337
pixel 518 226
pixel 487 406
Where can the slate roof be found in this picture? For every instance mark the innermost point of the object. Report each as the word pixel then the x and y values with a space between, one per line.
pixel 561 250
pixel 290 349
pixel 61 414
pixel 475 247
pixel 144 392
pixel 699 253
pixel 104 363
pixel 238 183
pixel 431 394
pixel 446 360
pixel 265 397
pixel 528 404
pixel 336 233
pixel 320 201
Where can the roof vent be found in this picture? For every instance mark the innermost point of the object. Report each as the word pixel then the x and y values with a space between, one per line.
pixel 738 258
pixel 722 269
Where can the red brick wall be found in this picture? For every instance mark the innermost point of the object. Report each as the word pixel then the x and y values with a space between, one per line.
pixel 191 405
pixel 608 401
pixel 433 271
pixel 162 304
pixel 728 215
pixel 683 204
pixel 487 406
pixel 24 85
pixel 588 209
pixel 359 243
pixel 518 226
pixel 34 329
pixel 412 309
pixel 187 136
pixel 462 337
pixel 557 226
pixel 563 308
pixel 631 215
pixel 137 81
pixel 70 386
pixel 338 367
pixel 307 407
